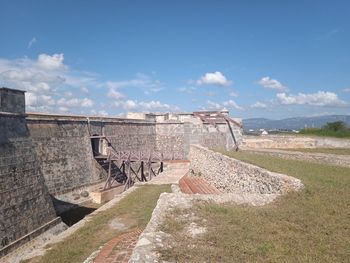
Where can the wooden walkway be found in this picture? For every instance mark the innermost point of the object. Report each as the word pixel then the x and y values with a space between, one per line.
pixel 196 185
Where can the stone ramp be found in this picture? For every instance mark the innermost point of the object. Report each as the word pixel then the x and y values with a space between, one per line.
pixel 196 185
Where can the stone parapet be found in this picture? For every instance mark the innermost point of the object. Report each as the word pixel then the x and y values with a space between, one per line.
pixel 233 176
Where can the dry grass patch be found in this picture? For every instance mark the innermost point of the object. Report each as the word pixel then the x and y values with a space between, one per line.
pixel 307 226
pixel 135 209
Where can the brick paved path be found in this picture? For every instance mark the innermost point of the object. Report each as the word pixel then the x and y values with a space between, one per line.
pixel 119 249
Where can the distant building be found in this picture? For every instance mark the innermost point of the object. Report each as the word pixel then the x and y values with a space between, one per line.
pixel 263 132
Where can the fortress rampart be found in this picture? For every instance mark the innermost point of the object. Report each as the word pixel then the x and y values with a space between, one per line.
pixel 45 157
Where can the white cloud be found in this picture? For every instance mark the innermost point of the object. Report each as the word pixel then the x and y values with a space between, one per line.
pixel 134 105
pixel 188 90
pixel 25 74
pixel 233 94
pixel 130 105
pixel 154 105
pixel 36 102
pixel 114 94
pixel 320 98
pixel 86 102
pixel 84 90
pixel 54 62
pixel 214 105
pixel 31 42
pixel 75 102
pixel 346 89
pixel 52 86
pixel 214 78
pixel 99 113
pixel 210 94
pixel 142 81
pixel 63 109
pixel 232 105
pixel 102 113
pixel 258 105
pixel 68 94
pixel 274 84
pixel 47 81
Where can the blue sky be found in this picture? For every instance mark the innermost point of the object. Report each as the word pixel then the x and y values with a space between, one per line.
pixel 273 59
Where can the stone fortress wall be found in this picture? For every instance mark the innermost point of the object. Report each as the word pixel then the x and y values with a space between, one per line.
pixel 46 157
pixel 25 205
pixel 63 145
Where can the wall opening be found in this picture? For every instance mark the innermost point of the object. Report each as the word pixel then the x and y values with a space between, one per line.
pixel 95 144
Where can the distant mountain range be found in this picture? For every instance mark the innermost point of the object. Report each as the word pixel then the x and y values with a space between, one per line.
pixel 293 123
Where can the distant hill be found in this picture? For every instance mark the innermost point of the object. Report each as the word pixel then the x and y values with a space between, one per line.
pixel 293 123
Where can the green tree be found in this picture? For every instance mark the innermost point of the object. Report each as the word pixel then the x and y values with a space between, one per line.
pixel 335 126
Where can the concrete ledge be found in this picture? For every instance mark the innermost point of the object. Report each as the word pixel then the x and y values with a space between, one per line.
pixel 11 114
pixel 103 196
pixel 31 116
pixel 6 250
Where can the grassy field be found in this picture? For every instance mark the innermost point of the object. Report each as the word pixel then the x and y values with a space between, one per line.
pixel 326 133
pixel 340 151
pixel 307 226
pixel 135 210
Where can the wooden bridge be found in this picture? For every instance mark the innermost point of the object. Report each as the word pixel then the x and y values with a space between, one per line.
pixel 127 167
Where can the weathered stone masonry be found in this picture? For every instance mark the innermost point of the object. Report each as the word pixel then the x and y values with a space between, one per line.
pixel 25 205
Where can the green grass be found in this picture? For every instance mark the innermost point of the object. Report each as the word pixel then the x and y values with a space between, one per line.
pixel 307 226
pixel 327 133
pixel 135 210
pixel 339 151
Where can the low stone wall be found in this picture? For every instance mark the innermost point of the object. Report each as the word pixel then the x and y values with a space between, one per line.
pixel 327 142
pixel 234 176
pixel 276 141
pixel 292 141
